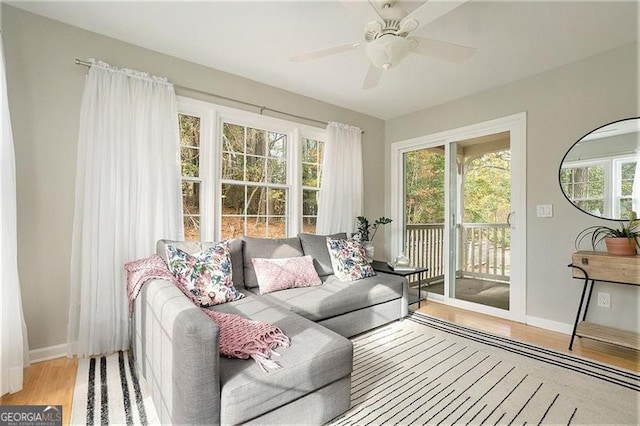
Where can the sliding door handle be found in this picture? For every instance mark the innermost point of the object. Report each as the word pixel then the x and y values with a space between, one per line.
pixel 509 218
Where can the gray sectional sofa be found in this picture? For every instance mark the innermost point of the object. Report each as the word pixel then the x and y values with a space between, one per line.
pixel 176 344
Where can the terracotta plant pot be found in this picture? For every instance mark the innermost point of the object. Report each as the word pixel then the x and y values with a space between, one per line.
pixel 621 246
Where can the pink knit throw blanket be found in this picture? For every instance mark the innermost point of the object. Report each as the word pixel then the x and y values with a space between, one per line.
pixel 239 337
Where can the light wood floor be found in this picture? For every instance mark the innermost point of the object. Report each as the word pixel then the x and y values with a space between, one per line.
pixel 602 352
pixel 47 383
pixel 52 382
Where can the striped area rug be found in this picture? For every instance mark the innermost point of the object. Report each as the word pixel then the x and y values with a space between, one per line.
pixel 424 370
pixel 108 391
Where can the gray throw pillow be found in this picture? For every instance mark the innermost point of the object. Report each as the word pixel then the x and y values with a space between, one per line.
pixel 274 248
pixel 316 247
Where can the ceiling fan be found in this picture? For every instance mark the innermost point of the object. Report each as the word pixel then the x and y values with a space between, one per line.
pixel 387 40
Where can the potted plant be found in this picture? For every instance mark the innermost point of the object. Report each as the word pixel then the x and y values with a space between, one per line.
pixel 621 242
pixel 365 232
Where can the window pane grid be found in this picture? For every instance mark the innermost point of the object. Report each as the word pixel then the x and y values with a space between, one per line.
pixel 254 184
pixel 190 169
pixel 312 152
pixel 625 175
pixel 584 183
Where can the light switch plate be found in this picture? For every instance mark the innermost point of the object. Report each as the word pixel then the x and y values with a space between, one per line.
pixel 545 210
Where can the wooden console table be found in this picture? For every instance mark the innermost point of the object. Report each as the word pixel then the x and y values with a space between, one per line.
pixel 600 266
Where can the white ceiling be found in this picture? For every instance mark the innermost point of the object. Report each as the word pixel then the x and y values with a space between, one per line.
pixel 256 40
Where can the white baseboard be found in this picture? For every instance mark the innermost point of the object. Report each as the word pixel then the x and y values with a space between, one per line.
pixel 557 326
pixel 50 352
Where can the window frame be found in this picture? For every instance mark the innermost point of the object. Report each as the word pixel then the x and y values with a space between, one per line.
pixel 205 173
pixel 307 187
pixel 212 116
pixel 618 162
pixel 612 167
pixel 606 171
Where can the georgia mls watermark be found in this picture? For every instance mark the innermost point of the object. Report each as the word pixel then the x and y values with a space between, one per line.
pixel 30 415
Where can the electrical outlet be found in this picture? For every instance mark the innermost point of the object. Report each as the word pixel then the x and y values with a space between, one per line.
pixel 604 300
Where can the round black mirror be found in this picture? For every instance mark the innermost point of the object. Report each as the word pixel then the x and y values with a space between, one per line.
pixel 600 173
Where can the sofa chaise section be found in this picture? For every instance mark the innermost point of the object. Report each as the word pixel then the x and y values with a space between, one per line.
pixel 176 348
pixel 318 361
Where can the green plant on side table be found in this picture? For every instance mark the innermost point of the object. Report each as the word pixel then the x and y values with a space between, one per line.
pixel 365 232
pixel 622 242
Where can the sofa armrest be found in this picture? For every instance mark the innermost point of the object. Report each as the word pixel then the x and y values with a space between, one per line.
pixel 177 352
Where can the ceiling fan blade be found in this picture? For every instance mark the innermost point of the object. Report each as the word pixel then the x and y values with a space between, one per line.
pixel 375 9
pixel 361 11
pixel 442 50
pixel 373 77
pixel 432 10
pixel 326 51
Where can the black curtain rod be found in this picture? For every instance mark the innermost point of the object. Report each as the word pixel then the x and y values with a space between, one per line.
pixel 260 108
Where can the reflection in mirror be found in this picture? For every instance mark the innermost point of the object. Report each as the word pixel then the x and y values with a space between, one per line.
pixel 600 174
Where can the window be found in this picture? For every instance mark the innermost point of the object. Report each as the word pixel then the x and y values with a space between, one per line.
pixel 585 185
pixel 312 154
pixel 603 187
pixel 247 174
pixel 254 182
pixel 190 161
pixel 625 171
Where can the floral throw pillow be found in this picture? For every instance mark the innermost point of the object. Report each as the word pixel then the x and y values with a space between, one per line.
pixel 281 274
pixel 349 260
pixel 206 275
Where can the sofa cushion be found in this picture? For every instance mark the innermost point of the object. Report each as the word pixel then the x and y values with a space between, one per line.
pixel 235 250
pixel 206 275
pixel 316 358
pixel 281 274
pixel 272 248
pixel 336 297
pixel 349 259
pixel 316 247
pixel 191 247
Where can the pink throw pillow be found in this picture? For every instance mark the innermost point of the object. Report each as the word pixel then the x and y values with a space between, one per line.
pixel 281 274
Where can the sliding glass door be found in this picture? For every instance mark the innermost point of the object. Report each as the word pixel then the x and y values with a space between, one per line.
pixel 424 200
pixel 458 215
pixel 480 232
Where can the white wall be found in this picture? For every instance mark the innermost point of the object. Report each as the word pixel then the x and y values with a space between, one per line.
pixel 45 89
pixel 562 105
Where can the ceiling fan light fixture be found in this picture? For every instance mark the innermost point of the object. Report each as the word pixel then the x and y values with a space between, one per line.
pixel 388 51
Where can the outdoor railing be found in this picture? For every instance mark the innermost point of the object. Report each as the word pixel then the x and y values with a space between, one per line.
pixel 425 248
pixel 485 249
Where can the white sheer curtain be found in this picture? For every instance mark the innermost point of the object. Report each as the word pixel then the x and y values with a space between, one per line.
pixel 128 195
pixel 14 351
pixel 341 194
